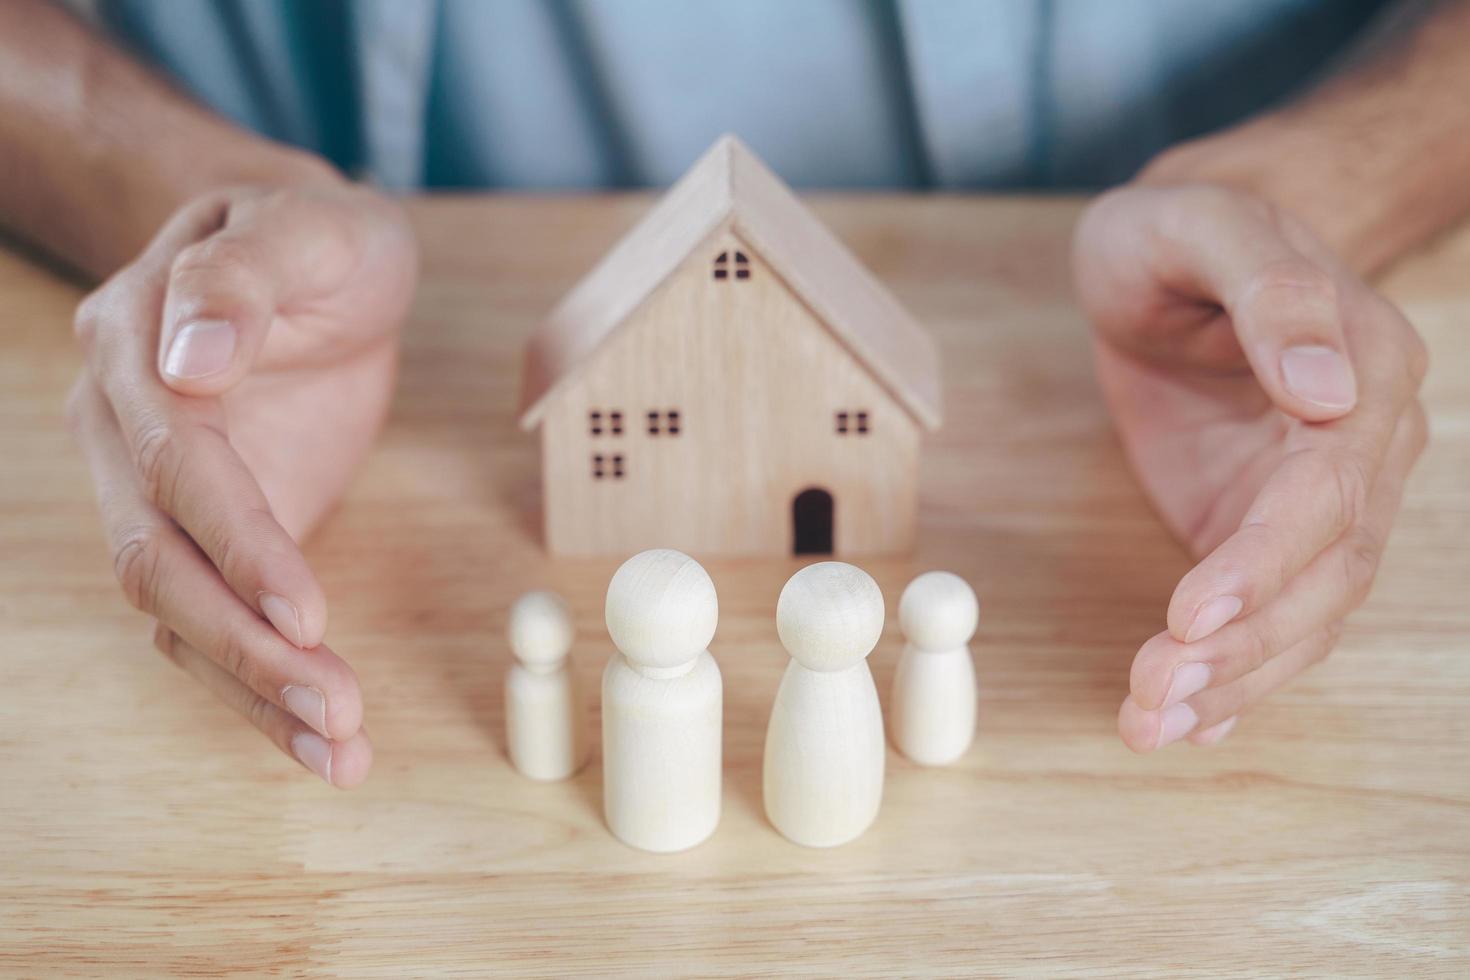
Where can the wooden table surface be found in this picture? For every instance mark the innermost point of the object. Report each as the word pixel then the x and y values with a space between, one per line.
pixel 145 830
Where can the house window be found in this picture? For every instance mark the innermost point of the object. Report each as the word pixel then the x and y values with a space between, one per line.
pixel 850 422
pixel 599 422
pixel 664 422
pixel 605 466
pixel 724 265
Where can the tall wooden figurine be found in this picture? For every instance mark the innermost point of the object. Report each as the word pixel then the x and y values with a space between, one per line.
pixel 661 704
pixel 545 714
pixel 730 380
pixel 823 773
pixel 933 705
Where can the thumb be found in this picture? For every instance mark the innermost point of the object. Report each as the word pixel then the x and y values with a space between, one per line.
pixel 220 300
pixel 1285 307
pixel 226 290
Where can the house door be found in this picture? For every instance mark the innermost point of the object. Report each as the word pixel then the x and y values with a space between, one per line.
pixel 811 522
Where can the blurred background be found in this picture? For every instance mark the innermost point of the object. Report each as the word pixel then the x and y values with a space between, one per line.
pixel 559 94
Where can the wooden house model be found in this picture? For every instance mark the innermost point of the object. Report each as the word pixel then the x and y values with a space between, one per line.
pixel 729 380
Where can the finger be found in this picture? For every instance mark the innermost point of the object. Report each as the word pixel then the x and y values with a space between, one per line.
pixel 1319 491
pixel 1145 730
pixel 164 575
pixel 1230 249
pixel 343 764
pixel 188 468
pixel 1218 704
pixel 1166 671
pixel 225 291
pixel 1215 735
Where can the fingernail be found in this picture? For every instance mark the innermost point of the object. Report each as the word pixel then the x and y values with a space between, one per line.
pixel 282 615
pixel 1178 721
pixel 1216 734
pixel 1320 375
pixel 307 704
pixel 314 752
pixel 1212 615
pixel 199 349
pixel 1189 679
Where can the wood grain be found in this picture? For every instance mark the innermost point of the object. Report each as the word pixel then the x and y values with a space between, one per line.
pixel 144 831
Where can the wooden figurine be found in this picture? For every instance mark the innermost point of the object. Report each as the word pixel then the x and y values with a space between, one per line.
pixel 823 770
pixel 545 715
pixel 662 704
pixel 729 380
pixel 932 711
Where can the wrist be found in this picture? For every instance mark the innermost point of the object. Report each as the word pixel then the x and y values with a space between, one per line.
pixel 152 193
pixel 1288 167
pixel 234 159
pixel 1368 205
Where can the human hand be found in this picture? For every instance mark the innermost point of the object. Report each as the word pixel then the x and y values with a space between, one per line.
pixel 237 373
pixel 1267 399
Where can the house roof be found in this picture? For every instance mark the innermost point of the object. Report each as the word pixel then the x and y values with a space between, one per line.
pixel 730 183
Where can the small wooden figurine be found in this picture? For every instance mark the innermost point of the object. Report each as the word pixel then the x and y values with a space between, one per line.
pixel 730 380
pixel 932 710
pixel 662 704
pixel 545 715
pixel 823 771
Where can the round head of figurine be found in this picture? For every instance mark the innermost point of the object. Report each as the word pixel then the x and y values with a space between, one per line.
pixel 830 616
pixel 540 629
pixel 938 611
pixel 661 608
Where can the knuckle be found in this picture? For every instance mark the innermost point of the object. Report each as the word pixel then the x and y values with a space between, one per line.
pixel 158 460
pixel 1348 476
pixel 1361 552
pixel 1259 644
pixel 87 319
pixel 1290 287
pixel 218 253
pixel 137 563
pixel 240 564
pixel 222 274
pixel 336 224
pixel 1217 199
pixel 259 712
pixel 1100 212
pixel 1280 219
pixel 234 656
pixel 1186 207
pixel 219 269
pixel 1259 564
pixel 226 556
